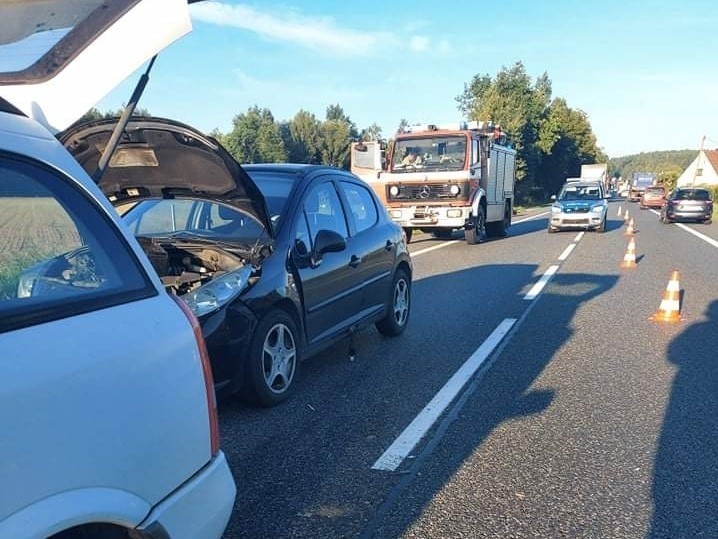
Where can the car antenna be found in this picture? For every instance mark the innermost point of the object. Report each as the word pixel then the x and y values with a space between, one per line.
pixel 122 122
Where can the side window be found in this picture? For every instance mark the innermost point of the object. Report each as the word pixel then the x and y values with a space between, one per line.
pixel 302 239
pixel 361 205
pixel 323 210
pixel 60 254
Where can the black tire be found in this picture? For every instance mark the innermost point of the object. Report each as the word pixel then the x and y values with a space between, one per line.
pixel 602 227
pixel 499 229
pixel 707 221
pixel 409 232
pixel 272 359
pixel 399 307
pixel 477 234
pixel 665 220
pixel 551 230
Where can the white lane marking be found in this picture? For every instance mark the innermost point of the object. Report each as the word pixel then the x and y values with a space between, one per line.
pixel 407 440
pixel 697 234
pixel 529 218
pixel 536 289
pixel 579 236
pixel 566 252
pixel 446 244
pixel 434 248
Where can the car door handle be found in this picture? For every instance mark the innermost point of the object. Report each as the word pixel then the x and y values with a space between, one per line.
pixel 389 245
pixel 354 261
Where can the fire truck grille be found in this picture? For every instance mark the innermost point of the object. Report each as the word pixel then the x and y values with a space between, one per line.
pixel 425 192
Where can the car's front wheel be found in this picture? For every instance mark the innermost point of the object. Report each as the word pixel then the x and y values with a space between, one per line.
pixel 273 359
pixel 397 314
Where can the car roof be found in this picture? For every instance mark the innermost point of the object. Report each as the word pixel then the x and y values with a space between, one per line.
pixel 58 58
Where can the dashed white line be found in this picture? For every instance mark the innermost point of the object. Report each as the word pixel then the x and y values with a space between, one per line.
pixel 579 236
pixel 392 458
pixel 566 252
pixel 536 289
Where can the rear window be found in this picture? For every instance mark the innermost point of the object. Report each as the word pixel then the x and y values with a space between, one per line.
pixel 655 190
pixel 693 194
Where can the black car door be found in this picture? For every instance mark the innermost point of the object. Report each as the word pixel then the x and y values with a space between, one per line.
pixel 331 285
pixel 372 244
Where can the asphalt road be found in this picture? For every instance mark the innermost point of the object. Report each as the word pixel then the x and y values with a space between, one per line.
pixel 587 419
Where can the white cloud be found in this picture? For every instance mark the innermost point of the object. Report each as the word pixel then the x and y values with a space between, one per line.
pixel 321 34
pixel 419 43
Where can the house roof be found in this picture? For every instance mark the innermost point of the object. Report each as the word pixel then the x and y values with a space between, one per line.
pixel 712 156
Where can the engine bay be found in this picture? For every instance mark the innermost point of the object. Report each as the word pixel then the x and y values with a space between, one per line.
pixel 184 266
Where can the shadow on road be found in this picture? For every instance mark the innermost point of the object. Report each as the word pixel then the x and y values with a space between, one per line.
pixel 685 478
pixel 503 393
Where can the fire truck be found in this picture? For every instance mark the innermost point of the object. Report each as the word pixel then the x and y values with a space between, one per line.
pixel 440 178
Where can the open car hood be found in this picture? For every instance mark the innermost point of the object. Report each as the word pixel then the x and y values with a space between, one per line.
pixel 58 58
pixel 161 158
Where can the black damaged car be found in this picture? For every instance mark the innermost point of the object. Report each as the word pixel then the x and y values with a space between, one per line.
pixel 277 261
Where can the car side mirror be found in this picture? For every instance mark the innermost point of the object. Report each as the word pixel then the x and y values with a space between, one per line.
pixel 327 241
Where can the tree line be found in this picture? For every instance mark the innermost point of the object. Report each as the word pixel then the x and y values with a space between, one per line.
pixel 667 165
pixel 551 138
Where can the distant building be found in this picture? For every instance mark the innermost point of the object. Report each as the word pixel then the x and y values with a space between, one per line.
pixel 702 171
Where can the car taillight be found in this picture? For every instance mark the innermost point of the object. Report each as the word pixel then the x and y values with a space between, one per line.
pixel 207 374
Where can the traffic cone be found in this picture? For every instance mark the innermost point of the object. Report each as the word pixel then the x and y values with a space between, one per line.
pixel 620 211
pixel 629 229
pixel 629 259
pixel 670 308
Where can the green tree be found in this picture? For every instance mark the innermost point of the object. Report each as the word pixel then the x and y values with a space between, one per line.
pixel 517 104
pixel 373 132
pixel 336 140
pixel 566 141
pixel 255 138
pixel 303 138
pixel 338 131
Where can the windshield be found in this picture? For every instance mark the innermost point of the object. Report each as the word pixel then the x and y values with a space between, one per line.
pixel 199 217
pixel 438 153
pixel 580 192
pixel 276 189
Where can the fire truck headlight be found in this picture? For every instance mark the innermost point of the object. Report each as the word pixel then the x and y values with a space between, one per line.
pixel 394 190
pixel 455 189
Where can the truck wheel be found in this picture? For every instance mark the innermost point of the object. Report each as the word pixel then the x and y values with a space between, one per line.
pixel 477 234
pixel 499 229
pixel 408 232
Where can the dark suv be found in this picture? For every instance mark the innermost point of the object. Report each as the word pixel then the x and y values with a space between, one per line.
pixel 693 204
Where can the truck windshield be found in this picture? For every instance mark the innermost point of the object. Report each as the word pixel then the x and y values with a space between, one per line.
pixel 435 153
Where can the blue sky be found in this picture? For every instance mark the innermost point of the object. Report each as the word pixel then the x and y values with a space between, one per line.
pixel 644 72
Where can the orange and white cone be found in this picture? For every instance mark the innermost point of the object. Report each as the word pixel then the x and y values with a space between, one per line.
pixel 629 259
pixel 629 229
pixel 670 308
pixel 620 211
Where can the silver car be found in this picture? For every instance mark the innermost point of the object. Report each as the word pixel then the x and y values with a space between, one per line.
pixel 579 205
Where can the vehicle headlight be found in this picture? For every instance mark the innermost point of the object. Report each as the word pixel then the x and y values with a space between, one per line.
pixel 218 292
pixel 455 189
pixel 28 278
pixel 556 209
pixel 597 209
pixel 394 190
